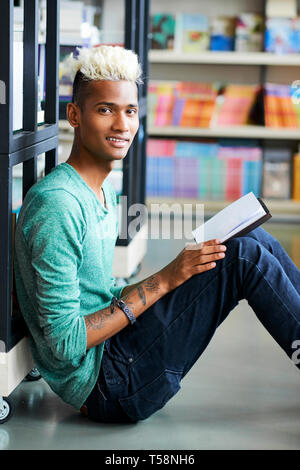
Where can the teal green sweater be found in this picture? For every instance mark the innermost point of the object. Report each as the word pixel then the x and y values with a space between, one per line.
pixel 64 247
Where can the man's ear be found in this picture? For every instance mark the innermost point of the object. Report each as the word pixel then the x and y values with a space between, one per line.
pixel 73 114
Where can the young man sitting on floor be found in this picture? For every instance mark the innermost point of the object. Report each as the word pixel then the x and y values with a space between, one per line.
pixel 122 361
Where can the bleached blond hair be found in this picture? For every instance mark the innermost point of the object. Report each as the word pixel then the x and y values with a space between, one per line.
pixel 104 63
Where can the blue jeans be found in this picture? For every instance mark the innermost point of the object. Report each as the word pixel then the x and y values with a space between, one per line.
pixel 144 363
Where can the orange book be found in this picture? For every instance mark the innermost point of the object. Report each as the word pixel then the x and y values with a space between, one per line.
pixel 273 113
pixel 197 113
pixel 279 108
pixel 296 177
pixel 197 104
pixel 289 115
pixel 238 101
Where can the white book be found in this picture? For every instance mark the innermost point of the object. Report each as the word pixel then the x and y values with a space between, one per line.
pixel 280 9
pixel 237 219
pixel 18 81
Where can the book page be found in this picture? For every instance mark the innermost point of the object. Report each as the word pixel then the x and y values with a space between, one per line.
pixel 230 220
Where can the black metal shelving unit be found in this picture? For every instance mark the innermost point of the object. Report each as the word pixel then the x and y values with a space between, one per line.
pixel 27 144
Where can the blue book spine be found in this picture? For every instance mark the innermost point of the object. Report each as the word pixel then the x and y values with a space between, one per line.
pixel 150 176
pixel 252 174
pixel 165 176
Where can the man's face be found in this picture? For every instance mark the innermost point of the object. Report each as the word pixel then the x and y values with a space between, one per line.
pixel 109 119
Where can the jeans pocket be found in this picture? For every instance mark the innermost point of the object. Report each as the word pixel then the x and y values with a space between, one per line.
pixel 152 396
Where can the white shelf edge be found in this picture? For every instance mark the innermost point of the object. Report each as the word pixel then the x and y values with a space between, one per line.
pixel 216 57
pixel 281 209
pixel 249 131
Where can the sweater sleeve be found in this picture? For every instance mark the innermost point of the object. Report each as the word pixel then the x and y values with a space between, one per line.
pixel 54 234
pixel 116 290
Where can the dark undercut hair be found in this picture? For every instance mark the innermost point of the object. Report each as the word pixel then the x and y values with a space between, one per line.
pixel 80 89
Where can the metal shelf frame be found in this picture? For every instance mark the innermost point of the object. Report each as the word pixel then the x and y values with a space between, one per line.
pixel 23 146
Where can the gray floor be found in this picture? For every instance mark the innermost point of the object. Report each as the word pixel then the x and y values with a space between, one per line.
pixel 242 394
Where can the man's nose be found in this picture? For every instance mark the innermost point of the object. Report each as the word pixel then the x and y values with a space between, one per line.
pixel 120 122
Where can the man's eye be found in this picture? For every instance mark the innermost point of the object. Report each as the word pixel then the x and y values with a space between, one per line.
pixel 104 110
pixel 132 111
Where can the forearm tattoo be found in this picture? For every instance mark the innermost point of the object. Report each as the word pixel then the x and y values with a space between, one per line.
pixel 141 294
pixel 95 321
pixel 152 284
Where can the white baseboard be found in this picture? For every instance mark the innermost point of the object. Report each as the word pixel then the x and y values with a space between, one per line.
pixel 14 366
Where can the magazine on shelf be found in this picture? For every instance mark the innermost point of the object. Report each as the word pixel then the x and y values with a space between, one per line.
pixel 163 31
pixel 239 218
pixel 191 33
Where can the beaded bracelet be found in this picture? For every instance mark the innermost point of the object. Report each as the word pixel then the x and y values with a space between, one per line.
pixel 124 308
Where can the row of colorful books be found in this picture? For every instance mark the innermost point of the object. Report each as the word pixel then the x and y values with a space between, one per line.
pixel 202 170
pixel 205 105
pixel 185 32
pixel 181 103
pixel 224 170
pixel 246 32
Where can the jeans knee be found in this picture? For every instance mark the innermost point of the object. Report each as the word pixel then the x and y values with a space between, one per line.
pixel 266 239
pixel 245 247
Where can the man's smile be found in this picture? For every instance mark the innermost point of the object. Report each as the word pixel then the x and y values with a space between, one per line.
pixel 118 142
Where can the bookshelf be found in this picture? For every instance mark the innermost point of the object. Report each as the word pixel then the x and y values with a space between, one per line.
pixel 255 68
pixel 20 149
pixel 224 58
pixel 247 132
pixel 287 211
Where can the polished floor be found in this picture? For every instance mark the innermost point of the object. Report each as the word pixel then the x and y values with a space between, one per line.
pixel 242 394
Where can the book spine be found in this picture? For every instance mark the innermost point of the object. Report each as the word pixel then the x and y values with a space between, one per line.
pixel 218 180
pixel 289 115
pixel 17 83
pixel 186 177
pixel 296 177
pixel 233 178
pixel 150 176
pixel 272 110
pixel 252 177
pixel 295 249
pixel 177 111
pixel 164 109
pixel 205 178
pixel 165 176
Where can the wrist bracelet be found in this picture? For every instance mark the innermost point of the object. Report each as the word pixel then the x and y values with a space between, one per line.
pixel 124 308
